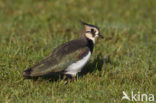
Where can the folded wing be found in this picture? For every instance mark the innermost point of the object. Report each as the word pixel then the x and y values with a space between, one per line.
pixel 59 59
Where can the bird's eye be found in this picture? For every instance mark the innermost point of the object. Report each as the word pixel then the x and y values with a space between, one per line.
pixel 93 32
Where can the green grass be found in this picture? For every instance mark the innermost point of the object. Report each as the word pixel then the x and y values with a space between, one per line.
pixel 125 60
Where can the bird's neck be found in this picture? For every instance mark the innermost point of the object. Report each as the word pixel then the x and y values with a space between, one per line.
pixel 90 44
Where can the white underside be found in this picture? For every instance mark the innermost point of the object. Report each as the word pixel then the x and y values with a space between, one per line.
pixel 76 67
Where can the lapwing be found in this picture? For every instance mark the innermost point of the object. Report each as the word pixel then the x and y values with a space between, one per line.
pixel 70 57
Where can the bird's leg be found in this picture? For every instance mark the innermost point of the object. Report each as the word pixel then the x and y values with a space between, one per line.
pixel 64 76
pixel 73 78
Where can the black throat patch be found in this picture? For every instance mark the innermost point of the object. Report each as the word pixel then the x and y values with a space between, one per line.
pixel 90 45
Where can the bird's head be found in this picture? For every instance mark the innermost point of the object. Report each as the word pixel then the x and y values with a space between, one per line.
pixel 91 32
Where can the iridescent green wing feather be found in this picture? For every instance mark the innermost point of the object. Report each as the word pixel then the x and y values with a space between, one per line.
pixel 56 63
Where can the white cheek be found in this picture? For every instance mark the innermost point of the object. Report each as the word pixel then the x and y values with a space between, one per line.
pixel 97 32
pixel 93 39
pixel 90 37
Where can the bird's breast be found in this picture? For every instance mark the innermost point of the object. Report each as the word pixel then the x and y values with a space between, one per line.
pixel 76 67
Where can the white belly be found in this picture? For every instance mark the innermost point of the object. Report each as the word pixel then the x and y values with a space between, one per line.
pixel 76 67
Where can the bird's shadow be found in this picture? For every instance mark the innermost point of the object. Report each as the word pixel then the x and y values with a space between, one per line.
pixel 91 67
pixel 97 64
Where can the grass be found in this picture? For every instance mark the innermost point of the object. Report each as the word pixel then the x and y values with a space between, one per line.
pixel 123 61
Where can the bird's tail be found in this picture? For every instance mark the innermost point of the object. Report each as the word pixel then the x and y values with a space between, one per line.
pixel 27 73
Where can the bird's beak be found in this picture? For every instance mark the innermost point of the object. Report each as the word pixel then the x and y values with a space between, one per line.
pixel 101 36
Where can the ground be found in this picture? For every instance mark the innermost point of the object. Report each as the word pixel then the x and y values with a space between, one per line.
pixel 125 60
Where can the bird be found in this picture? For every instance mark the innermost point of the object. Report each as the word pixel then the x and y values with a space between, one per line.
pixel 70 57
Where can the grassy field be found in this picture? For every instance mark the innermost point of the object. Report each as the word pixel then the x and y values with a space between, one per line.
pixel 125 60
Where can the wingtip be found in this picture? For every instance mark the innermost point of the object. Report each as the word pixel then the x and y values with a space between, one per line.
pixel 27 73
